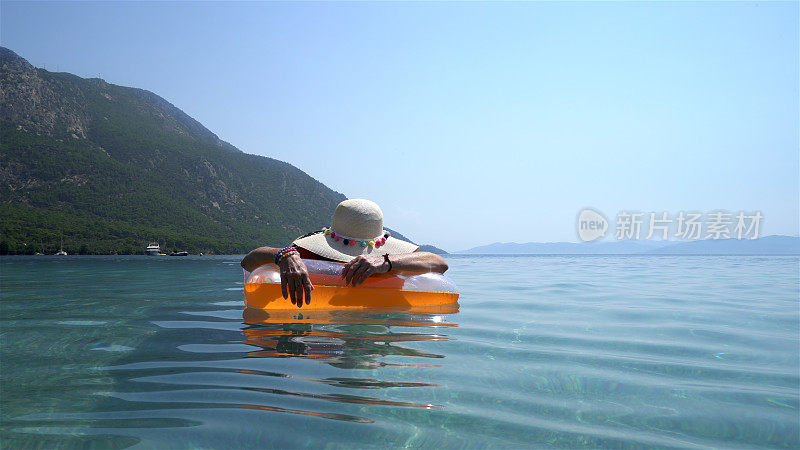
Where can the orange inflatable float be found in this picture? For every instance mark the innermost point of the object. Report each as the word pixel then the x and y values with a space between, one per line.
pixel 262 289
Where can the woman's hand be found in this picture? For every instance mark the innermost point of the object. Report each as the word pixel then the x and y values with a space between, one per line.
pixel 361 267
pixel 295 281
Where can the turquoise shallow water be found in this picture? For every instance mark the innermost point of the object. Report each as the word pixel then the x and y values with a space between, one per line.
pixel 587 351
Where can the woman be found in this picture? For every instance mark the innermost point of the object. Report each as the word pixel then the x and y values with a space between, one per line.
pixel 356 237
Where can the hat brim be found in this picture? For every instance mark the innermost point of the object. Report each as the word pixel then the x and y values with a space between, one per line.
pixel 324 245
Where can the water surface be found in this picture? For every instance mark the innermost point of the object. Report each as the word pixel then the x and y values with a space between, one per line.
pixel 543 351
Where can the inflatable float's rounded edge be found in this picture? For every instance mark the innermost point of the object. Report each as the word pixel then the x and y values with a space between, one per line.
pixel 262 289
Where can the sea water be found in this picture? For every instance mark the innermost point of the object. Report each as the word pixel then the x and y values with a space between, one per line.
pixel 542 351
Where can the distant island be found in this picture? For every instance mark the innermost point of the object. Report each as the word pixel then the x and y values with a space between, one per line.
pixel 102 169
pixel 768 245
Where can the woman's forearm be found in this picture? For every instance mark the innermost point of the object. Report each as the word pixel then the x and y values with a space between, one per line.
pixel 258 257
pixel 411 262
pixel 419 262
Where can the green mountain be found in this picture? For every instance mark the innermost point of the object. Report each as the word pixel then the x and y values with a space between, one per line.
pixel 432 249
pixel 107 169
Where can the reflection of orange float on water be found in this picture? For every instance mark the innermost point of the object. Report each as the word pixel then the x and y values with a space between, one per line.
pixel 408 316
pixel 262 289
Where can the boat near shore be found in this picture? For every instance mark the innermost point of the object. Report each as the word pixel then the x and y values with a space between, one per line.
pixel 153 249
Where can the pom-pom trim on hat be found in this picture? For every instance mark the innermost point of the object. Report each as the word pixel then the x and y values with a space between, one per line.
pixel 346 240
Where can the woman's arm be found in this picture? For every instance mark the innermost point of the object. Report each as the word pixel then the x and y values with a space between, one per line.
pixel 420 262
pixel 259 256
pixel 361 267
pixel 295 282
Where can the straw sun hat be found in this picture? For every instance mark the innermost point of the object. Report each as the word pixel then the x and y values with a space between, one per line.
pixel 357 229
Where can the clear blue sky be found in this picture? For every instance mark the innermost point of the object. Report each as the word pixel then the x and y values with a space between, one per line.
pixel 471 123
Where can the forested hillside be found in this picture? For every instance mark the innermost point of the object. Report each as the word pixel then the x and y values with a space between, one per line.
pixel 108 169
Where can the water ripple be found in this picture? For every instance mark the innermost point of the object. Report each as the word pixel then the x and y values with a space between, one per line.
pixel 644 352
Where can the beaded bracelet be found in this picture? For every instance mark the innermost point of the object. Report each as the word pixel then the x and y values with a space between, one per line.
pixel 284 252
